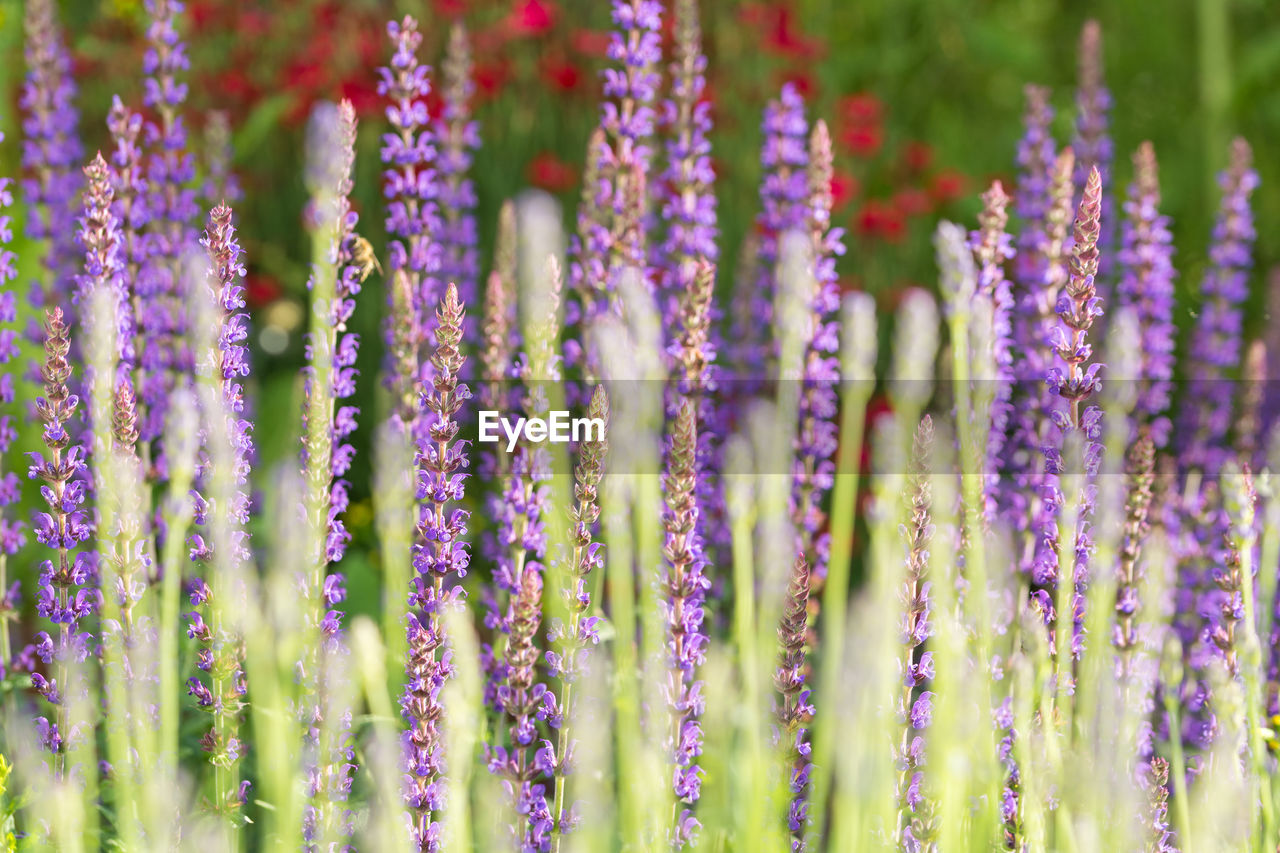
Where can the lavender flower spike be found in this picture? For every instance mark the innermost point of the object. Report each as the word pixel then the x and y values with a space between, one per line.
pixel 783 192
pixel 172 209
pixel 628 119
pixel 223 502
pixel 914 707
pixel 688 197
pixel 412 221
pixel 65 594
pixel 1077 308
pixel 813 469
pixel 1146 285
pixel 1091 142
pixel 326 452
pixel 992 246
pixel 796 710
pixel 685 590
pixel 51 154
pixel 575 638
pixel 459 137
pixel 11 535
pixel 1216 338
pixel 104 266
pixel 440 554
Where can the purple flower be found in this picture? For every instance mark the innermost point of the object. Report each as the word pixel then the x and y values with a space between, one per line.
pixel 914 705
pixel 687 197
pixel 104 271
pixel 171 214
pixel 439 555
pixel 1091 142
pixel 413 218
pixel 330 377
pixel 1216 337
pixel 574 639
pixel 992 246
pixel 684 596
pixel 223 525
pixel 66 590
pixel 459 137
pixel 1074 382
pixel 813 468
pixel 784 192
pixel 51 154
pixel 795 711
pixel 1146 286
pixel 11 536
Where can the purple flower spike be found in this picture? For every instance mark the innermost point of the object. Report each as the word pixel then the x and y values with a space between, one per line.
pixel 783 195
pixel 413 218
pixel 104 269
pixel 915 667
pixel 1074 382
pixel 327 454
pixel 172 212
pixel 795 712
pixel 1146 286
pixel 1216 340
pixel 574 640
pixel 1092 142
pixel 12 537
pixel 228 363
pixel 67 585
pixel 688 199
pixel 51 155
pixel 992 247
pixel 459 137
pixel 813 469
pixel 439 555
pixel 685 589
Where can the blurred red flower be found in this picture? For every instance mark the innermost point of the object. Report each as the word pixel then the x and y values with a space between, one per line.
pixel 593 43
pixel 550 173
pixel 777 27
pixel 261 290
pixel 804 82
pixel 451 8
pixel 917 156
pixel 878 220
pixel 862 140
pixel 861 109
pixel 561 73
pixel 532 17
pixel 844 187
pixel 913 202
pixel 948 185
pixel 490 77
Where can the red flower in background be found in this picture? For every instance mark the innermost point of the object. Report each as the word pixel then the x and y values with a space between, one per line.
pixel 913 202
pixel 451 8
pixel 490 77
pixel 843 188
pixel 862 140
pixel 532 17
pixel 261 290
pixel 861 109
pixel 593 43
pixel 560 72
pixel 804 82
pixel 550 173
pixel 778 30
pixel 878 220
pixel 917 156
pixel 948 185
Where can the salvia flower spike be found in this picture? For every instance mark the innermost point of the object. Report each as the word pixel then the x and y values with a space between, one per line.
pixel 440 554
pixel 65 594
pixel 52 154
pixel 1146 284
pixel 458 137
